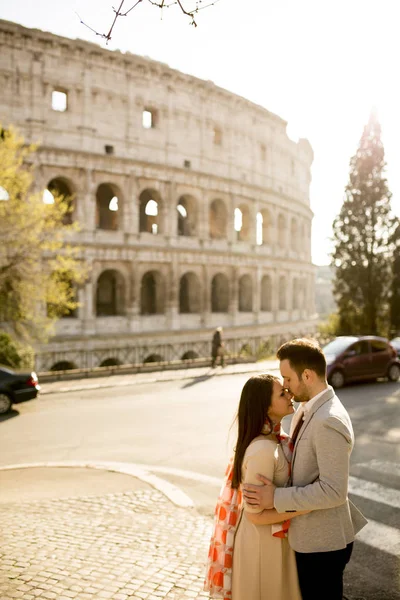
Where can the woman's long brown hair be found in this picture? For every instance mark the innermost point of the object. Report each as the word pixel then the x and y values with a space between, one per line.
pixel 255 401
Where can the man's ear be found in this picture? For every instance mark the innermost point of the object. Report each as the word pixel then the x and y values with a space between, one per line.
pixel 307 375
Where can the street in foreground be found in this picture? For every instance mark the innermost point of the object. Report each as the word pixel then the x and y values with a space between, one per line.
pixel 179 431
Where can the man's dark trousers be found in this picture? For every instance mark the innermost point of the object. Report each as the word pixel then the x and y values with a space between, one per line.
pixel 321 573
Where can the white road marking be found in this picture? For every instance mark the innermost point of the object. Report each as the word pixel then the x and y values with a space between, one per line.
pixel 374 491
pixel 380 536
pixel 382 466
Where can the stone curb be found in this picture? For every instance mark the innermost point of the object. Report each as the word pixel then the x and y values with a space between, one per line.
pixel 130 380
pixel 172 492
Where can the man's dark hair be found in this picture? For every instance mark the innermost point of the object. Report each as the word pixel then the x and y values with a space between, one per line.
pixel 303 354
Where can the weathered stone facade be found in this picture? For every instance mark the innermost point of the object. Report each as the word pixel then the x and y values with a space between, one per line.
pixel 193 203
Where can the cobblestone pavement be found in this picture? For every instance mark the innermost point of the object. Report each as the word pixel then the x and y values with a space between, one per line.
pixel 134 545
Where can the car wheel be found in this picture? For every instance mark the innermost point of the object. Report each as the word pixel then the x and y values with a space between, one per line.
pixel 337 379
pixel 5 403
pixel 394 373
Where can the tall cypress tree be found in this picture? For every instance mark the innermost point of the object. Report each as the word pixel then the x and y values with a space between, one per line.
pixel 363 247
pixel 395 295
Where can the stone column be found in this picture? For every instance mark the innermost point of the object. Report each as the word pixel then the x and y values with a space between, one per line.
pixel 203 224
pixel 172 294
pixel 89 303
pixel 133 311
pixel 88 201
pixel 206 283
pixel 257 294
pixel 234 295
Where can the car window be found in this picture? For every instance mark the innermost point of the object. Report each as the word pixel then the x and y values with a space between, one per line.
pixel 378 346
pixel 359 348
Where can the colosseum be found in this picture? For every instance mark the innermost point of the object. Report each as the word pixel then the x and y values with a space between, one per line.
pixel 193 203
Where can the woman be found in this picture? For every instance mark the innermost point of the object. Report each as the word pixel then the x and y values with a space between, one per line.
pixel 263 565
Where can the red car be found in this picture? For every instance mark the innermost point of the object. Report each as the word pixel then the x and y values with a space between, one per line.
pixel 16 387
pixel 357 358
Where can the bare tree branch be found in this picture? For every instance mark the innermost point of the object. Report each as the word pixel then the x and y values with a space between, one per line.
pixel 159 4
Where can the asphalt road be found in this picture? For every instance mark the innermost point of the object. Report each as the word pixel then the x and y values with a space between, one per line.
pixel 180 431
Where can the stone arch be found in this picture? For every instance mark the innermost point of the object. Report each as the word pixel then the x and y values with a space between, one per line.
pixel 108 207
pixel 152 294
pixel 264 227
pixel 187 215
pixel 266 293
pixel 294 235
pixel 110 294
pixel 152 358
pixel 282 293
pixel 61 188
pixel 219 293
pixel 218 216
pixel 242 223
pixel 110 362
pixel 189 355
pixel 150 205
pixel 189 293
pixel 245 294
pixel 64 365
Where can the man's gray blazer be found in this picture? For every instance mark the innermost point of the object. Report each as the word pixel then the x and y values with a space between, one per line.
pixel 320 475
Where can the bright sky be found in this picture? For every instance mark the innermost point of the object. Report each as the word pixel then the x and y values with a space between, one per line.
pixel 321 66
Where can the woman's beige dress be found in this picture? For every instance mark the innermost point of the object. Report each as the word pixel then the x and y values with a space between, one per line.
pixel 264 567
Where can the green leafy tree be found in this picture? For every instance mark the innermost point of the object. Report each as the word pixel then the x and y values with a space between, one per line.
pixel 14 354
pixel 363 250
pixel 39 264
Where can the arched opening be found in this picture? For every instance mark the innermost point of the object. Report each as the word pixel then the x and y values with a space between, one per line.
pixel 264 227
pixel 219 293
pixel 149 212
pixel 187 216
pixel 110 362
pixel 189 355
pixel 245 294
pixel 110 294
pixel 63 365
pixel 4 195
pixel 152 294
pixel 218 220
pixel 189 294
pixel 282 293
pixel 60 189
pixel 108 207
pixel 153 358
pixel 242 223
pixel 266 294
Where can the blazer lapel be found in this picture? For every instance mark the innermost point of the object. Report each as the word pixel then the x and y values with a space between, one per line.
pixel 328 395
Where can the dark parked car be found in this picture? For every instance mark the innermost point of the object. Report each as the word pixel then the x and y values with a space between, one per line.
pixel 16 387
pixel 396 345
pixel 356 358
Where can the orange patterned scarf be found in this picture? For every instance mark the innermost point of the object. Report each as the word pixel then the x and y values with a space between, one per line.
pixel 218 581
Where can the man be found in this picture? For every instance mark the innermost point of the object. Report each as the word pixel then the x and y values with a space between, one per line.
pixel 217 348
pixel 323 440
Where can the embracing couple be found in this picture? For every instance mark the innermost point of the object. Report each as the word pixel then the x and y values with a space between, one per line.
pixel 284 526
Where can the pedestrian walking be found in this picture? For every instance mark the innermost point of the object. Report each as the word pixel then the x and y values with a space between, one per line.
pixel 217 348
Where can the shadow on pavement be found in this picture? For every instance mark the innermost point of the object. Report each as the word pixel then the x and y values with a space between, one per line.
pixel 198 380
pixel 12 413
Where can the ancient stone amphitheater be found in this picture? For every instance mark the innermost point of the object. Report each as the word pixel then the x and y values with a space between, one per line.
pixel 193 203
